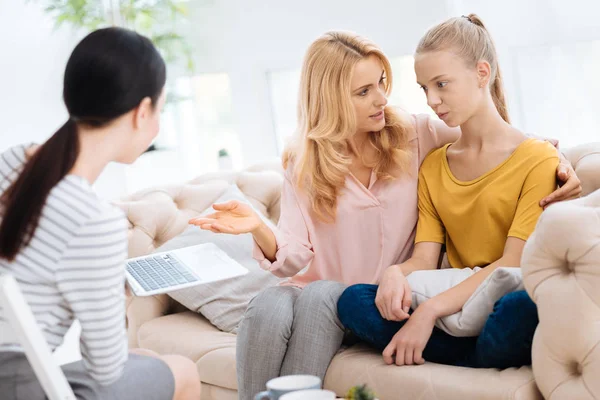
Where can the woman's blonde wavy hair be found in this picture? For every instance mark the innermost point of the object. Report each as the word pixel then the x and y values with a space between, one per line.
pixel 320 152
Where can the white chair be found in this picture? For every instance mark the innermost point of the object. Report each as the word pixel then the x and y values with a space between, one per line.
pixel 21 319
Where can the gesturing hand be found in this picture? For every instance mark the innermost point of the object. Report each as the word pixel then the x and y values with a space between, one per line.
pixel 233 217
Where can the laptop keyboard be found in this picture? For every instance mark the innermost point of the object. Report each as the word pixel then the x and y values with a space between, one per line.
pixel 158 272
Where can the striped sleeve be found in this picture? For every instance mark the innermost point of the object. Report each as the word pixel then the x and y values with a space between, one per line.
pixel 91 278
pixel 11 165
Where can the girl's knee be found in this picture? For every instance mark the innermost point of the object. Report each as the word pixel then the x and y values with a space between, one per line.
pixel 353 299
pixel 516 303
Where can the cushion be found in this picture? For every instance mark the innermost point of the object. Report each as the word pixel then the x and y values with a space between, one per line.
pixel 158 214
pixel 361 365
pixel 471 319
pixel 223 303
pixel 184 333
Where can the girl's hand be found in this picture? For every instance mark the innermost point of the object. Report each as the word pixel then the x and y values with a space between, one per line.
pixel 406 347
pixel 569 182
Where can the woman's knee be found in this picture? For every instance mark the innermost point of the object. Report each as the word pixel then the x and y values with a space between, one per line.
pixel 324 288
pixel 320 296
pixel 185 374
pixel 273 307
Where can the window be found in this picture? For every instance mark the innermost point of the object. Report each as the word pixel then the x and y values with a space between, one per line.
pixel 283 89
pixel 197 126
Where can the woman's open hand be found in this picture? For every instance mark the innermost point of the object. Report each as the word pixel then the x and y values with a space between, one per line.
pixel 233 217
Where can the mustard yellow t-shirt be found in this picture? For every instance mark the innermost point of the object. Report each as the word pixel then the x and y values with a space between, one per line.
pixel 474 218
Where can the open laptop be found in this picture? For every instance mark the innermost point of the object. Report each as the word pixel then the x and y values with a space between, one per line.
pixel 177 269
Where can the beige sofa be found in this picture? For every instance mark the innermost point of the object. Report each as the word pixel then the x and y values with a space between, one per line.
pixel 563 350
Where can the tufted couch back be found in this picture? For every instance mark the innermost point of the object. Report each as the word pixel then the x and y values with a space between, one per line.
pixel 157 215
pixel 561 268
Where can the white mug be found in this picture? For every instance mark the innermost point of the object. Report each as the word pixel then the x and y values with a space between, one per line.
pixel 277 387
pixel 313 394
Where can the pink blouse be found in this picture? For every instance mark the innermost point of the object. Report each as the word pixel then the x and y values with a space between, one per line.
pixel 374 228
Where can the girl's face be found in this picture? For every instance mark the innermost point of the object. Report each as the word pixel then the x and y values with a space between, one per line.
pixel 454 90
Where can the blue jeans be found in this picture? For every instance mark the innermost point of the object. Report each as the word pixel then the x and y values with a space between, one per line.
pixel 504 342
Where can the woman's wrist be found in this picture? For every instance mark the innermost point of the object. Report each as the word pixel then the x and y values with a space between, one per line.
pixel 265 238
pixel 261 230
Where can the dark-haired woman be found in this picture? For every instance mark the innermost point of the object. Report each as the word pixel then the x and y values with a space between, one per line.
pixel 65 246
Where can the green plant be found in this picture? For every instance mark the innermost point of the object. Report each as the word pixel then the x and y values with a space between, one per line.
pixel 360 393
pixel 223 153
pixel 156 19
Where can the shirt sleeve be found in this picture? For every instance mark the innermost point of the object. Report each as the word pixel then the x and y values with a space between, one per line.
pixel 540 182
pixel 11 165
pixel 433 134
pixel 429 227
pixel 91 279
pixel 294 249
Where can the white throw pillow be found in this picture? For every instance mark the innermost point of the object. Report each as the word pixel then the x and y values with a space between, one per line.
pixel 471 319
pixel 223 303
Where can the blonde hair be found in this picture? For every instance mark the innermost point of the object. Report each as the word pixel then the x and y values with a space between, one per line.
pixel 471 40
pixel 320 152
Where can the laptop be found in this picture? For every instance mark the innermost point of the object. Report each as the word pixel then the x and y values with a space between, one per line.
pixel 177 269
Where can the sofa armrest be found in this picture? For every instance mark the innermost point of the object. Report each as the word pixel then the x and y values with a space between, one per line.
pixel 561 271
pixel 140 310
pixel 585 159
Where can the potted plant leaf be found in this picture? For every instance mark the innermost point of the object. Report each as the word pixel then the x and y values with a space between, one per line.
pixel 225 162
pixel 156 19
pixel 361 392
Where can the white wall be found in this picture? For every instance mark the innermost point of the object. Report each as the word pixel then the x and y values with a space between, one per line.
pixel 247 38
pixel 31 69
pixel 243 38
pixel 547 53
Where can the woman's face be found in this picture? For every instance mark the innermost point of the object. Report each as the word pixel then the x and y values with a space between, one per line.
pixel 453 89
pixel 368 95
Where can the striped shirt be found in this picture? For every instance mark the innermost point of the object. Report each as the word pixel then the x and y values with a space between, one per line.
pixel 73 268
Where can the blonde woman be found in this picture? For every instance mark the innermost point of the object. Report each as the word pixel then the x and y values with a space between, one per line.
pixel 479 196
pixel 348 208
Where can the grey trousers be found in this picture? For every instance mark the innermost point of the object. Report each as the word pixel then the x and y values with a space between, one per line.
pixel 287 331
pixel 144 377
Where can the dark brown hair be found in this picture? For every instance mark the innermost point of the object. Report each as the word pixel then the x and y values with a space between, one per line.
pixel 108 74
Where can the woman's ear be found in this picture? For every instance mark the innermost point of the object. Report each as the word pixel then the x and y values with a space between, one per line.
pixel 484 73
pixel 142 113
